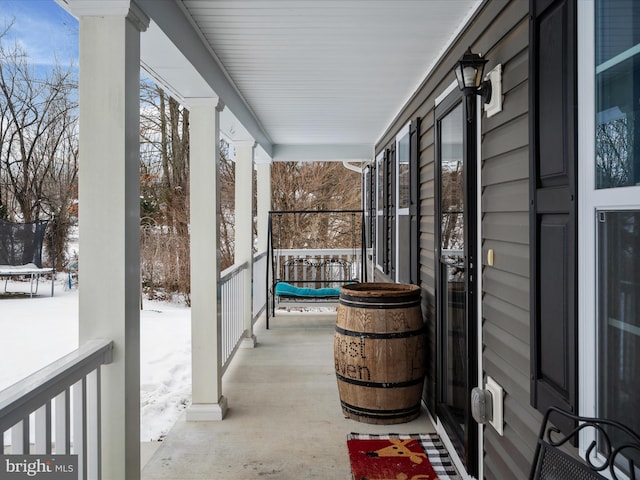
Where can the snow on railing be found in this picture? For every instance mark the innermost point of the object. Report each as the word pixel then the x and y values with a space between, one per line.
pixel 56 411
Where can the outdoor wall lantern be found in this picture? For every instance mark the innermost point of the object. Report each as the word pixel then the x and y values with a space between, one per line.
pixel 469 73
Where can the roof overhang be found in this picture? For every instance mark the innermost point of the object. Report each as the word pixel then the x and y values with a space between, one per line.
pixel 307 80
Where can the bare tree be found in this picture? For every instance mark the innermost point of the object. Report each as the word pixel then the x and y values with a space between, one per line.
pixel 452 206
pixel 311 186
pixel 164 206
pixel 614 159
pixel 227 181
pixel 38 143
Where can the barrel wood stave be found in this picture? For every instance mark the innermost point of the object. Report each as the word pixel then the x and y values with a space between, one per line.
pixel 379 352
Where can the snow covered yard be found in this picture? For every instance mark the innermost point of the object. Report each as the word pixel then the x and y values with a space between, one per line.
pixel 36 331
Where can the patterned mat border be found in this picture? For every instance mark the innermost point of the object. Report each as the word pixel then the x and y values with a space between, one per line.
pixel 432 445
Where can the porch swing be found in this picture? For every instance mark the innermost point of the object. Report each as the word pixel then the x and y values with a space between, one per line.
pixel 311 275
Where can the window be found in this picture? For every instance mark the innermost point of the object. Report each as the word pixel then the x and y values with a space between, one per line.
pixel 618 322
pixel 617 68
pixel 609 173
pixel 380 227
pixel 403 187
pixel 369 205
pixel 396 206
pixel 617 230
pixel 386 212
pixel 452 184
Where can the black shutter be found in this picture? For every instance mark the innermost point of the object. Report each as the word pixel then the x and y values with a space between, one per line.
pixel 367 206
pixel 414 201
pixel 384 234
pixel 372 206
pixel 391 213
pixel 553 193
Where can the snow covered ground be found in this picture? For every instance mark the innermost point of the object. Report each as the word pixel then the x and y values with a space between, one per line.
pixel 36 331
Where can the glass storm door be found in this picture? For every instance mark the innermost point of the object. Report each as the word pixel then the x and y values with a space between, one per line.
pixel 456 241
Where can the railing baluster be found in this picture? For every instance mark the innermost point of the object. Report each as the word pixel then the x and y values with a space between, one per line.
pixel 63 423
pixel 231 284
pixel 93 422
pixel 245 279
pixel 26 435
pixel 240 291
pixel 48 429
pixel 39 424
pixel 259 285
pixel 42 423
pixel 77 441
pixel 233 309
pixel 223 307
pixel 229 313
pixel 243 313
pixel 17 441
pixel 46 400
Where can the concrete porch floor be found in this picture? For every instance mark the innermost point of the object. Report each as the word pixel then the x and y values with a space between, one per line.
pixel 284 420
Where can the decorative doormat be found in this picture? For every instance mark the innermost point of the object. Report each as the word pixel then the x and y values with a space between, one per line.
pixel 399 457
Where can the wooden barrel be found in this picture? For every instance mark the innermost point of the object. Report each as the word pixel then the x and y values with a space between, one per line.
pixel 379 352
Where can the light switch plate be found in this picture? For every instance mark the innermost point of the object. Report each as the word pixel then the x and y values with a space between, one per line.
pixel 497 398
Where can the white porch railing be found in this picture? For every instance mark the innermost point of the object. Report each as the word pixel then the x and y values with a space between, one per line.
pixel 56 411
pixel 232 281
pixel 259 284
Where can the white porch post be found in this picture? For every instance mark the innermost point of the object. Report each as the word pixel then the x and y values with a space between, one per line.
pixel 264 203
pixel 245 152
pixel 206 343
pixel 109 192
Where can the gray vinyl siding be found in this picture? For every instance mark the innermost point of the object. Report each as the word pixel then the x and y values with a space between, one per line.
pixel 505 229
pixel 427 247
pixel 499 30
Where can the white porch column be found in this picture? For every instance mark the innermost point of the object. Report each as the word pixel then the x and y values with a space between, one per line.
pixel 264 204
pixel 206 346
pixel 244 228
pixel 109 192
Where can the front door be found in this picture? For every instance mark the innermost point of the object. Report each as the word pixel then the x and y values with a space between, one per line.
pixel 456 293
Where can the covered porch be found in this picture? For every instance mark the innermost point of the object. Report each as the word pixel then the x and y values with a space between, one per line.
pixel 284 419
pixel 281 81
pixel 510 200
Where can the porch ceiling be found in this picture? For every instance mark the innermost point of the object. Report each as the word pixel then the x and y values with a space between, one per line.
pixel 321 78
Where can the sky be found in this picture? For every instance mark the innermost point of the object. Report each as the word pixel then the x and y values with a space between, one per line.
pixel 43 28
